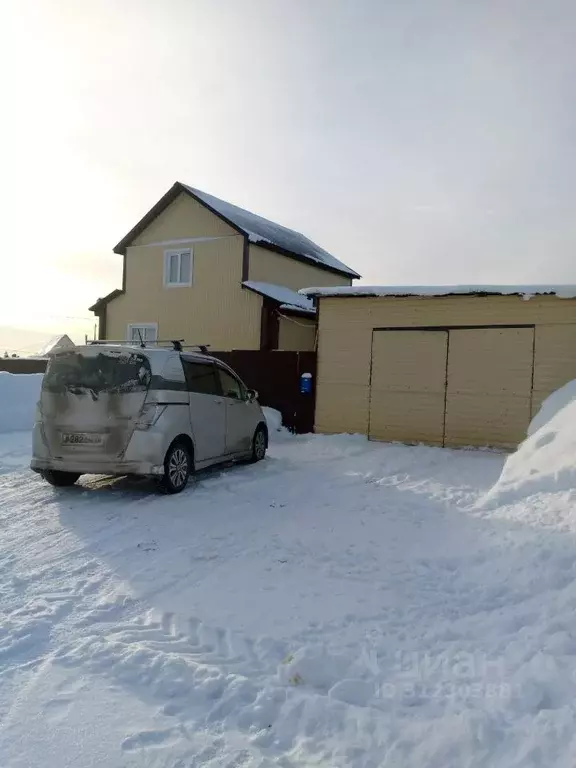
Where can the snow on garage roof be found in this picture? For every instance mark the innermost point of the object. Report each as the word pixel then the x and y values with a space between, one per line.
pixel 286 297
pixel 526 291
pixel 262 231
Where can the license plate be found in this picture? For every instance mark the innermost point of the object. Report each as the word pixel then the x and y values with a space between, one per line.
pixel 82 438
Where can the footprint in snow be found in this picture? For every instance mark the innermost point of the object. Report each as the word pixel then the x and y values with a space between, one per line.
pixel 150 739
pixel 147 546
pixel 56 710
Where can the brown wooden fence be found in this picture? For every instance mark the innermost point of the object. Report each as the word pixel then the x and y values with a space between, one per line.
pixel 23 364
pixel 275 375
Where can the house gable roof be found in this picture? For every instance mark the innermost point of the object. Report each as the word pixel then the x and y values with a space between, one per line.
pixel 256 229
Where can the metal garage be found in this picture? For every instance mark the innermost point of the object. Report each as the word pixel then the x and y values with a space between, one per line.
pixel 452 367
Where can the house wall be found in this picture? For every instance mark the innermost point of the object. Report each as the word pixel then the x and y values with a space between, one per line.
pixel 296 334
pixel 184 218
pixel 215 310
pixel 345 344
pixel 270 267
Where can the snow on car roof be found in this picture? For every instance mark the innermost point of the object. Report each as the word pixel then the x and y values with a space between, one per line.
pixel 156 354
pixel 261 230
pixel 286 297
pixel 526 291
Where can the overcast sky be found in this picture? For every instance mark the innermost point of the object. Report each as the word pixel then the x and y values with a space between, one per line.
pixel 420 141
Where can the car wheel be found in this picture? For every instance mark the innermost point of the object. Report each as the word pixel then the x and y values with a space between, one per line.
pixel 177 468
pixel 259 444
pixel 60 479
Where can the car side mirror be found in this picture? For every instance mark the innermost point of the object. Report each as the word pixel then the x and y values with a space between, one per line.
pixel 251 395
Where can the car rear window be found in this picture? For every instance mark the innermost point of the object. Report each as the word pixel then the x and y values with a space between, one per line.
pixel 103 372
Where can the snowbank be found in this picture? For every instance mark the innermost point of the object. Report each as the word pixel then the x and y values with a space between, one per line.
pixel 19 394
pixel 546 461
pixel 273 419
pixel 552 405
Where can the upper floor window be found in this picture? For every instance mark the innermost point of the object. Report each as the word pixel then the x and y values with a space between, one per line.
pixel 178 267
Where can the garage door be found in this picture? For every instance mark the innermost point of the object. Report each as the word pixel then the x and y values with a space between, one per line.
pixel 489 386
pixel 408 386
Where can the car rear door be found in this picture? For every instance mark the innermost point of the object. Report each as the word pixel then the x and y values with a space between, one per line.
pixel 239 415
pixel 207 409
pixel 90 401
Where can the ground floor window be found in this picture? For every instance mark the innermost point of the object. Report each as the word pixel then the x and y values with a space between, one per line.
pixel 142 332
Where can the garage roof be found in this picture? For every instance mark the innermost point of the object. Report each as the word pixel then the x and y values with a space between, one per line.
pixel 526 291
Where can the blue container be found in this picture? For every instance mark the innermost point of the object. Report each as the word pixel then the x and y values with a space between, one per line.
pixel 306 383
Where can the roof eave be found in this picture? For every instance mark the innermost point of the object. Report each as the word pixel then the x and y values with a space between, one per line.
pixel 105 300
pixel 148 218
pixel 300 311
pixel 176 189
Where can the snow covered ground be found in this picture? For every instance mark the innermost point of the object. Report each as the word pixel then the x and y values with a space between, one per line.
pixel 343 603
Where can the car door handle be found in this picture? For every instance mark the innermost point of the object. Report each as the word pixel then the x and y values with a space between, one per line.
pixel 218 402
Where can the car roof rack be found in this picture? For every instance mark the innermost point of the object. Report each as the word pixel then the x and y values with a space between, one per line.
pixel 202 347
pixel 177 344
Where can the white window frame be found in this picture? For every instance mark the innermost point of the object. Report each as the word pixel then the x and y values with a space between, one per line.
pixel 167 257
pixel 142 326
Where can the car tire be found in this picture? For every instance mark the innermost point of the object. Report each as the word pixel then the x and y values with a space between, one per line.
pixel 177 468
pixel 259 444
pixel 60 479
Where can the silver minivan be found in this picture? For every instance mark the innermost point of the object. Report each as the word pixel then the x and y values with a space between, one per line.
pixel 128 410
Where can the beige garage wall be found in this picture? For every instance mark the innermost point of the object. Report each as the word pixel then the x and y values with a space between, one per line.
pixel 345 337
pixel 296 334
pixel 554 352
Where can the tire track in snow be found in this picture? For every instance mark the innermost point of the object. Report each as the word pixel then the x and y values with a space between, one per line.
pixel 214 680
pixel 197 675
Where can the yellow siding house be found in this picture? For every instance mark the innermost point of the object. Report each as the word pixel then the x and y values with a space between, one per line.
pixel 200 269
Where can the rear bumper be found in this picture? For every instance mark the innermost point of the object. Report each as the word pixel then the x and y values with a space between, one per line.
pixel 144 455
pixel 86 467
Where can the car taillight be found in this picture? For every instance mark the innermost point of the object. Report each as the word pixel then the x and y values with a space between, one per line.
pixel 149 415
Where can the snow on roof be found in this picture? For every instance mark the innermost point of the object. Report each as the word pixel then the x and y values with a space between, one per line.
pixel 526 291
pixel 296 308
pixel 286 297
pixel 57 343
pixel 260 230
